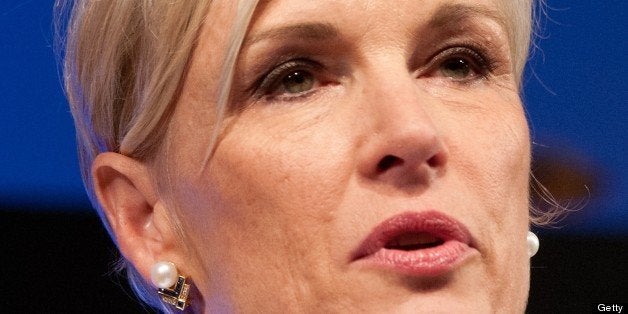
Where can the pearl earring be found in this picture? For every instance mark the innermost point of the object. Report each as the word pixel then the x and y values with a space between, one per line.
pixel 171 287
pixel 533 244
pixel 163 275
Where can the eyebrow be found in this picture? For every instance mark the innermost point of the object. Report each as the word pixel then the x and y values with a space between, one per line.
pixel 312 31
pixel 453 13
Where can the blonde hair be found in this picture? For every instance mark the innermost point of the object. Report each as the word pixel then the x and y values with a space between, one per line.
pixel 123 64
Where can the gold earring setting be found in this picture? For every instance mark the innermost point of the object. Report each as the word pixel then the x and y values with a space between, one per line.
pixel 171 287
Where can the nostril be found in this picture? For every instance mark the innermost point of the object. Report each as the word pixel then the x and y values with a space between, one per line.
pixel 436 161
pixel 388 162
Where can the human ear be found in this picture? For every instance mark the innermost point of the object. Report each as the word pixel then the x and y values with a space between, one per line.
pixel 137 215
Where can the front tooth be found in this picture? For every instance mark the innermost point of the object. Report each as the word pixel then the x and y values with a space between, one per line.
pixel 414 239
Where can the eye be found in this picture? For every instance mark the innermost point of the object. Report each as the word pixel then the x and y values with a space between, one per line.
pixel 456 68
pixel 461 64
pixel 296 82
pixel 291 79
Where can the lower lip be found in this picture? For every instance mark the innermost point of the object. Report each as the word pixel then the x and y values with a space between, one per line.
pixel 430 262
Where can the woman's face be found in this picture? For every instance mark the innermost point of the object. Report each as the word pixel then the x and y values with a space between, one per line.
pixel 375 158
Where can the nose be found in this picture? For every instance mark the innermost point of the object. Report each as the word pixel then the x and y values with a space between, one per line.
pixel 403 145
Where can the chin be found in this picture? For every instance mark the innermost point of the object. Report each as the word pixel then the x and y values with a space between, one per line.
pixel 467 288
pixel 442 301
pixel 444 305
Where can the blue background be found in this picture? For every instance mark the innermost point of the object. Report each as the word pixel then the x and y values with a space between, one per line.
pixel 575 93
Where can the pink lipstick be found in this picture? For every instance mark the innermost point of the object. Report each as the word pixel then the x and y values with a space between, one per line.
pixel 418 244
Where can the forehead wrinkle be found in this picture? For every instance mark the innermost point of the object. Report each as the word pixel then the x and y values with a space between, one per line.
pixel 312 31
pixel 453 13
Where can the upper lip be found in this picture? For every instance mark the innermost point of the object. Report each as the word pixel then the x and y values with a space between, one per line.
pixel 431 223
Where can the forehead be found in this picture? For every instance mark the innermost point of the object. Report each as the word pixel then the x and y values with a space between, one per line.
pixel 270 14
pixel 289 10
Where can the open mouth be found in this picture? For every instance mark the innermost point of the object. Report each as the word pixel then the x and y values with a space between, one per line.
pixel 413 241
pixel 417 244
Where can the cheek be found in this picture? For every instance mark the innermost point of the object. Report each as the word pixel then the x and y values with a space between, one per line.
pixel 489 146
pixel 288 176
pixel 266 198
pixel 293 165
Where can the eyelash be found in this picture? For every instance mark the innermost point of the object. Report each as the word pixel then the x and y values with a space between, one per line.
pixel 269 81
pixel 267 84
pixel 480 61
